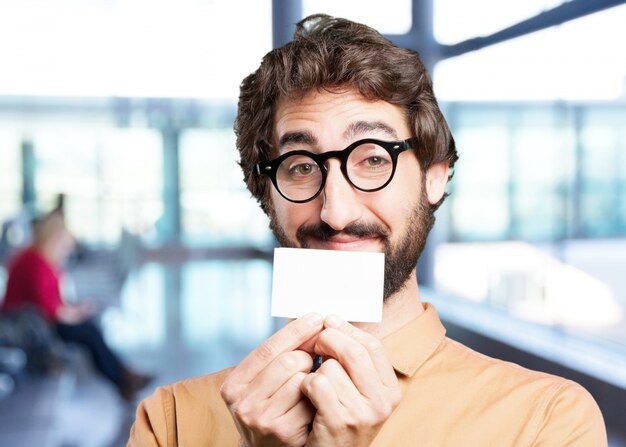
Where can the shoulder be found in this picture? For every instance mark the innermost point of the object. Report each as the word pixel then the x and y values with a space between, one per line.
pixel 569 414
pixel 188 388
pixel 182 412
pixel 29 259
pixel 500 376
pixel 473 363
pixel 21 257
pixel 556 410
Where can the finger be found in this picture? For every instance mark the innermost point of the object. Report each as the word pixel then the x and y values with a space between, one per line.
pixel 347 393
pixel 309 345
pixel 286 339
pixel 294 424
pixel 287 397
pixel 353 357
pixel 369 372
pixel 318 389
pixel 373 346
pixel 279 383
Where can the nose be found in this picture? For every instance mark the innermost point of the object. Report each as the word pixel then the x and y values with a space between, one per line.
pixel 340 206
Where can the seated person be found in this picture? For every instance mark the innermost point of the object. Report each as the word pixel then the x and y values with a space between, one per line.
pixel 33 283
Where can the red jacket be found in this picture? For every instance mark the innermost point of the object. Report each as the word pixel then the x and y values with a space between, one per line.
pixel 32 281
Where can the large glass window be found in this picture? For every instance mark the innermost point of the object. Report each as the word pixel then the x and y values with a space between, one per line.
pixel 135 48
pixel 574 61
pixel 216 207
pixel 538 172
pixel 112 178
pixel 540 124
pixel 10 173
pixel 603 168
pixel 141 321
pixel 225 301
pixel 542 172
pixel 480 208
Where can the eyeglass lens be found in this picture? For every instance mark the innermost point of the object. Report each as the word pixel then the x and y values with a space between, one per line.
pixel 369 166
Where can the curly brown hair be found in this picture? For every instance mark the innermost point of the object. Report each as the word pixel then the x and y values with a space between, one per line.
pixel 333 54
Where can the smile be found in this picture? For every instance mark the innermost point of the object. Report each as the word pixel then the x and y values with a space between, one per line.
pixel 347 242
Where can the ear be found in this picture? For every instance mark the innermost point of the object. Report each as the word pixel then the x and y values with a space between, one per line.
pixel 436 180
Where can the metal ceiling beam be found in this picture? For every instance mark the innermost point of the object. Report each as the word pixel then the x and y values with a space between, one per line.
pixel 565 12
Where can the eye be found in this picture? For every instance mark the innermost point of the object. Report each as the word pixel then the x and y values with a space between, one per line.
pixel 302 169
pixel 369 157
pixel 374 161
pixel 299 167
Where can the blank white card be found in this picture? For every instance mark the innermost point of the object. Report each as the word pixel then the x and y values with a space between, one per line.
pixel 345 283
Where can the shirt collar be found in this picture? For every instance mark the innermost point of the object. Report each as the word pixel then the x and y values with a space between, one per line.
pixel 411 345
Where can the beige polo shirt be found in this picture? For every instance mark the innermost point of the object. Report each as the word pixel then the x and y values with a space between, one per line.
pixel 451 396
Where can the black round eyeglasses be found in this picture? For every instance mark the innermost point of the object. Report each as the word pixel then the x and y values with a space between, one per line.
pixel 369 165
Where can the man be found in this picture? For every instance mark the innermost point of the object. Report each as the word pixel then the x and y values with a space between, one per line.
pixel 397 383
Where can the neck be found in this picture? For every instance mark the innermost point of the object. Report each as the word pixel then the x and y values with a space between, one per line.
pixel 398 309
pixel 47 252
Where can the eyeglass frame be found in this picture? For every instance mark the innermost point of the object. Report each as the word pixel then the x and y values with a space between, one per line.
pixel 394 148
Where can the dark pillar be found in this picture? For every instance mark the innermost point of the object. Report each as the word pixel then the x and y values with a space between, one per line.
pixel 172 285
pixel 28 175
pixel 285 14
pixel 170 225
pixel 512 187
pixel 578 230
pixel 421 37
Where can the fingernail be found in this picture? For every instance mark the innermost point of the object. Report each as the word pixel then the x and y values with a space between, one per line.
pixel 333 321
pixel 314 319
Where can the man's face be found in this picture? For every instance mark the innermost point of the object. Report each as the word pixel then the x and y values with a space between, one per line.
pixel 394 220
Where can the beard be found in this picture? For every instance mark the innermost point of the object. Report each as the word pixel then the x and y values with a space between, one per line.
pixel 400 258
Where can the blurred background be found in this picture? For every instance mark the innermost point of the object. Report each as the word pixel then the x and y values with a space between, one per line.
pixel 126 107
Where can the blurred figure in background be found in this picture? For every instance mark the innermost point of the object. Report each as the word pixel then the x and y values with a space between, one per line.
pixel 33 283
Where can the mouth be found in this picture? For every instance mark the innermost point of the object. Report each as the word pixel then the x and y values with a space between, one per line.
pixel 355 237
pixel 346 242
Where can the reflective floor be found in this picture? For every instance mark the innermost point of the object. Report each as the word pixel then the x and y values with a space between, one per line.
pixel 172 321
pixel 575 286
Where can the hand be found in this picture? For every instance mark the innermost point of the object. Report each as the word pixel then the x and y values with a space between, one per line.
pixel 87 308
pixel 263 392
pixel 75 313
pixel 354 391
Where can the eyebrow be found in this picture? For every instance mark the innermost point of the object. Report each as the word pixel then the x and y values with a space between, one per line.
pixel 353 130
pixel 360 127
pixel 297 137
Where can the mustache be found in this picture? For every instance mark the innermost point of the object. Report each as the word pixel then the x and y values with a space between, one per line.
pixel 325 232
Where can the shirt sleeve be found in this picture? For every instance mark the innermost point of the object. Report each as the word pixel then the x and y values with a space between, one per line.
pixel 571 418
pixel 190 413
pixel 155 422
